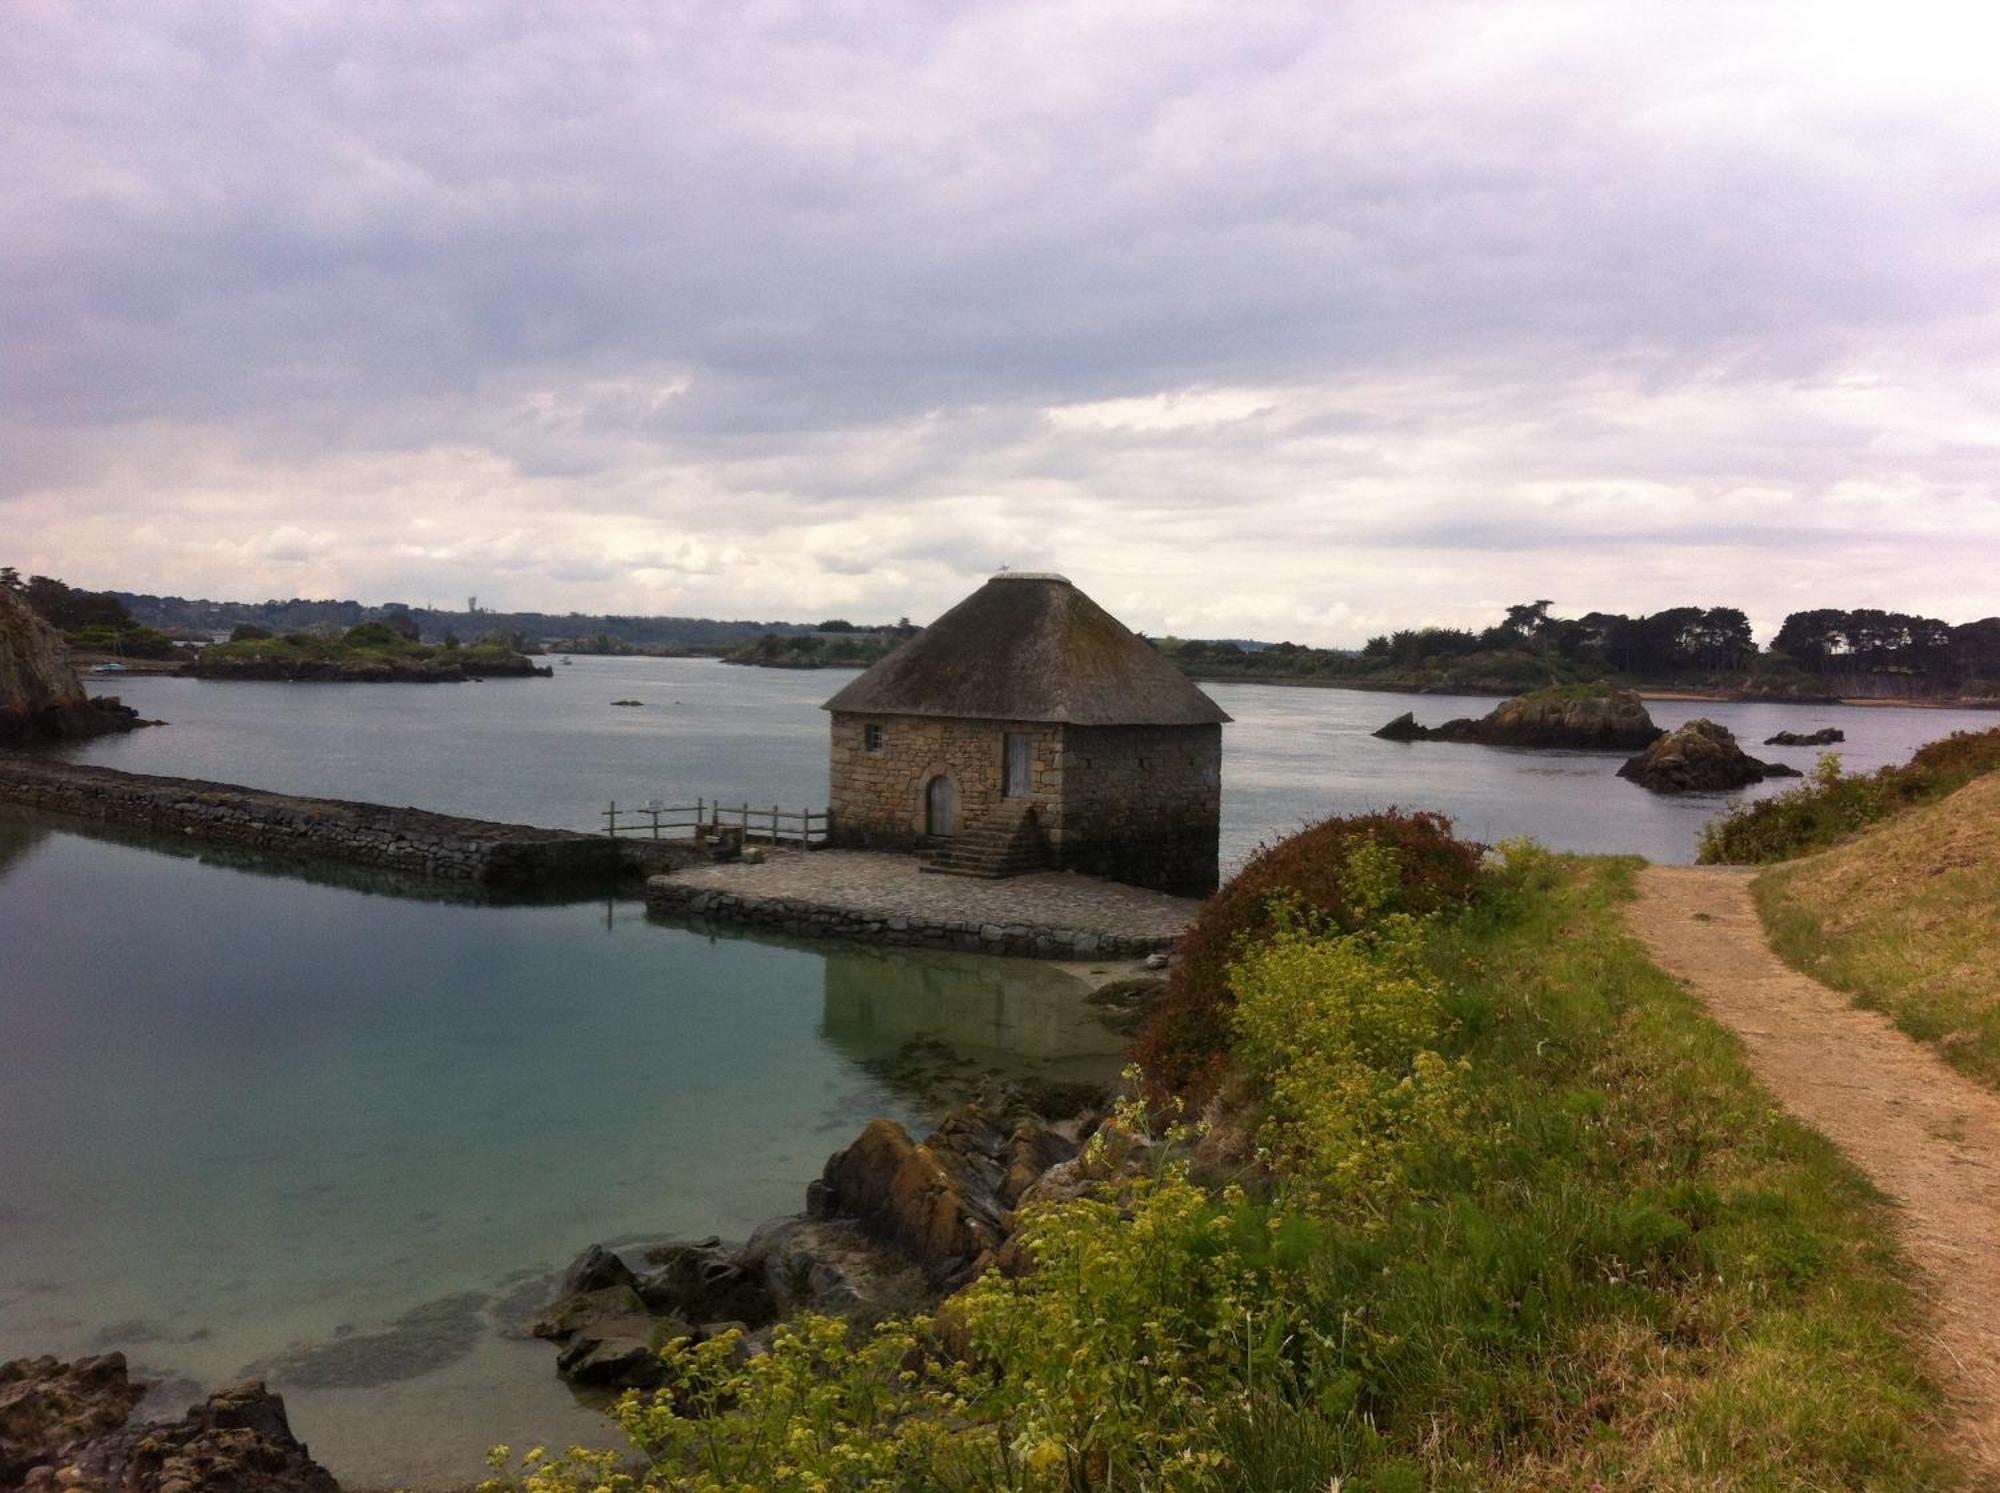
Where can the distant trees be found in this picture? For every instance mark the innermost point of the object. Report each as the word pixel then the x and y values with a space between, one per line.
pixel 1691 643
pixel 1864 640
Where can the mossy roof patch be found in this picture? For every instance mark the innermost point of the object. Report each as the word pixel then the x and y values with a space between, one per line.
pixel 1030 648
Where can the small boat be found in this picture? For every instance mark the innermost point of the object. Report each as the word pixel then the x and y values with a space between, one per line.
pixel 109 669
pixel 565 659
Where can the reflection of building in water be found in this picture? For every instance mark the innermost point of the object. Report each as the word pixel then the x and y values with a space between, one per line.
pixel 877 999
pixel 17 838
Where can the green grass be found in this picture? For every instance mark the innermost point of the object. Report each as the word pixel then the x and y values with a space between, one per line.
pixel 1657 1279
pixel 1906 919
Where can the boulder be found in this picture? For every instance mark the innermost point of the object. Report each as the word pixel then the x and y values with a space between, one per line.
pixel 1699 757
pixel 706 1282
pixel 64 1427
pixel 831 1265
pixel 1825 736
pixel 611 1321
pixel 1563 718
pixel 946 1202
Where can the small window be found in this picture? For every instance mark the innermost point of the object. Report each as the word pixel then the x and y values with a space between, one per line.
pixel 871 737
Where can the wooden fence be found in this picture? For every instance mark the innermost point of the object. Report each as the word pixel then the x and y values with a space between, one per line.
pixel 711 819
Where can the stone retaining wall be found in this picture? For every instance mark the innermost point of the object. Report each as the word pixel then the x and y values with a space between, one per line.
pixel 817 920
pixel 407 840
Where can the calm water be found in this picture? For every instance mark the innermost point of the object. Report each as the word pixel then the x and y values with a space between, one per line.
pixel 555 751
pixel 241 1114
pixel 244 1115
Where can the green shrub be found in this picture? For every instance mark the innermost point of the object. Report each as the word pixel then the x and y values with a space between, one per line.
pixel 1831 804
pixel 1184 1046
pixel 1340 1036
pixel 374 635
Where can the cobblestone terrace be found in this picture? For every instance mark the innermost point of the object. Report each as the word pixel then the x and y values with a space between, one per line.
pixel 889 886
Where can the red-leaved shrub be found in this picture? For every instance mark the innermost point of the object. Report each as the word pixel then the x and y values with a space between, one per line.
pixel 1184 1046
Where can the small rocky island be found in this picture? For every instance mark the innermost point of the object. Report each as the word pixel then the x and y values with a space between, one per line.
pixel 41 697
pixel 1570 717
pixel 1700 757
pixel 372 653
pixel 1825 736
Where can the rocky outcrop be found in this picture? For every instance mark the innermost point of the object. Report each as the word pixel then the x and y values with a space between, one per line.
pixel 947 1202
pixel 1825 736
pixel 63 1426
pixel 48 1407
pixel 41 698
pixel 1566 719
pixel 891 1226
pixel 611 1320
pixel 1697 758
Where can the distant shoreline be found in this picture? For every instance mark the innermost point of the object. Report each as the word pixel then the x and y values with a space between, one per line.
pixel 1644 692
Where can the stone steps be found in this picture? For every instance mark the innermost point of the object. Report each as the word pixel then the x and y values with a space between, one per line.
pixel 1007 842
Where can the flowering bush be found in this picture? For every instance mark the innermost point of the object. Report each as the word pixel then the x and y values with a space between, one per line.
pixel 1187 1042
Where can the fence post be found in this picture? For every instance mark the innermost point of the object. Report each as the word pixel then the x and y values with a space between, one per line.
pixel 611 819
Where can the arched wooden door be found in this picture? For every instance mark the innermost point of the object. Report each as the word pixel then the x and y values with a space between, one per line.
pixel 941 807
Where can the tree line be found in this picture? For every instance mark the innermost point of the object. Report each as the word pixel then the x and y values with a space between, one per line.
pixel 1530 644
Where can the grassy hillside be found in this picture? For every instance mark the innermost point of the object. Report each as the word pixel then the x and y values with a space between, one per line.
pixel 1518 1217
pixel 1906 917
pixel 1831 805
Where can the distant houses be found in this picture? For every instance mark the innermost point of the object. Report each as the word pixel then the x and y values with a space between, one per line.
pixel 1027 727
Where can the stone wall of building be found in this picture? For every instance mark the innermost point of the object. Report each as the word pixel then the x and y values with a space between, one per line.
pixel 877 799
pixel 407 840
pixel 1140 804
pixel 1143 804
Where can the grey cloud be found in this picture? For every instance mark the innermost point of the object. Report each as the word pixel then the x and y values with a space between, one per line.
pixel 869 249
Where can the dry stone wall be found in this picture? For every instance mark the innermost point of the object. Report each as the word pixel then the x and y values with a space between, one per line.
pixel 407 840
pixel 1139 804
pixel 877 798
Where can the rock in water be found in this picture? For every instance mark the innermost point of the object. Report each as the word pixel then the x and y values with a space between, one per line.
pixel 63 1427
pixel 1574 718
pixel 41 698
pixel 1697 758
pixel 1825 736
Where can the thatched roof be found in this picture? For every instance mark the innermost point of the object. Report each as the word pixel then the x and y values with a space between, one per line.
pixel 1030 648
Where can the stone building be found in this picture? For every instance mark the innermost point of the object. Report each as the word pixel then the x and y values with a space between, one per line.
pixel 1027 727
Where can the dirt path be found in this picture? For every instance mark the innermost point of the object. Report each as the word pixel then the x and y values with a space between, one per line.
pixel 1924 1134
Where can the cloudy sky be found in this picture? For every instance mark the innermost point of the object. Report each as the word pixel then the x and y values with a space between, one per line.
pixel 1256 319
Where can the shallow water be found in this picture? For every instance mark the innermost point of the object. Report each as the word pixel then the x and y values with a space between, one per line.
pixel 241 1114
pixel 289 1125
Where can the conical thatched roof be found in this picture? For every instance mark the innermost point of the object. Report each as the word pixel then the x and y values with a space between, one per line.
pixel 1030 648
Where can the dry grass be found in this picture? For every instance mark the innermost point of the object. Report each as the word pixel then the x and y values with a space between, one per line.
pixel 1906 918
